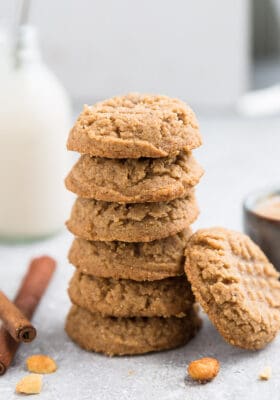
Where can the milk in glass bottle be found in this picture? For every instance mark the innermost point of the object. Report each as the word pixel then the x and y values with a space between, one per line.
pixel 34 122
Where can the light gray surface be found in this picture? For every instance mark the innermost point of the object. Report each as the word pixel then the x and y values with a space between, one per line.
pixel 238 157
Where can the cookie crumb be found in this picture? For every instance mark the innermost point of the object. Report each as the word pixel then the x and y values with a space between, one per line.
pixel 41 364
pixel 30 384
pixel 131 372
pixel 204 369
pixel 265 375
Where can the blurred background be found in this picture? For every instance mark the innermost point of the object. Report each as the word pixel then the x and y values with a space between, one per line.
pixel 208 53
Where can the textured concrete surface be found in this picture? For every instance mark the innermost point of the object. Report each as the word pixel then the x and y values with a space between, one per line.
pixel 238 156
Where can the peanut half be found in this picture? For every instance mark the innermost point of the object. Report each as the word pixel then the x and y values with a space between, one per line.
pixel 30 384
pixel 204 370
pixel 41 364
pixel 265 375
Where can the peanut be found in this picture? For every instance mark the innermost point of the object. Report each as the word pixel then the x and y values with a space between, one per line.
pixel 204 369
pixel 30 384
pixel 41 364
pixel 265 374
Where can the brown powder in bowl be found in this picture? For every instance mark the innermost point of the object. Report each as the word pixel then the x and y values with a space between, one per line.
pixel 269 207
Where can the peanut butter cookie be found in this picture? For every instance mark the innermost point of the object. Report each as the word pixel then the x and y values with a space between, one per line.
pixel 127 298
pixel 139 222
pixel 236 285
pixel 137 261
pixel 135 126
pixel 134 181
pixel 120 336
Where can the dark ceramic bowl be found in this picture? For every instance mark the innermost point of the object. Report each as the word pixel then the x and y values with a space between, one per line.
pixel 263 230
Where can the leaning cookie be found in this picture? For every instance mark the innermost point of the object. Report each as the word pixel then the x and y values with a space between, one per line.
pixel 134 181
pixel 138 222
pixel 135 126
pixel 127 298
pixel 137 261
pixel 121 336
pixel 236 285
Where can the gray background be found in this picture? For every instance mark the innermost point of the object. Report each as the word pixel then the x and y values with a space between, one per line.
pixel 194 49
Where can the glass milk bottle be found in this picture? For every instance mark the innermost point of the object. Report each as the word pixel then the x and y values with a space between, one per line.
pixel 34 123
pixel 4 54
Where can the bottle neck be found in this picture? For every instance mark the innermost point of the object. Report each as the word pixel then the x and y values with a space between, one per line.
pixel 26 48
pixel 4 48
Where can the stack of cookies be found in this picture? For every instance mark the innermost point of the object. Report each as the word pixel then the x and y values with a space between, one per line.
pixel 135 184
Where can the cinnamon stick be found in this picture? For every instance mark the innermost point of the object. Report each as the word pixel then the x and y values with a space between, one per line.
pixel 15 322
pixel 28 297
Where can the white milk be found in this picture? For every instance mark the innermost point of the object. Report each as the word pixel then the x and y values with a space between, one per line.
pixel 34 123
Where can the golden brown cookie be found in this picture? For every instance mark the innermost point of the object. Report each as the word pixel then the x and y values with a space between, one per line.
pixel 137 261
pixel 126 298
pixel 236 285
pixel 138 222
pixel 120 336
pixel 135 126
pixel 134 180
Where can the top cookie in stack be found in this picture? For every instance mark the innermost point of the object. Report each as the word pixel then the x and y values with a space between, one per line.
pixel 135 126
pixel 135 181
